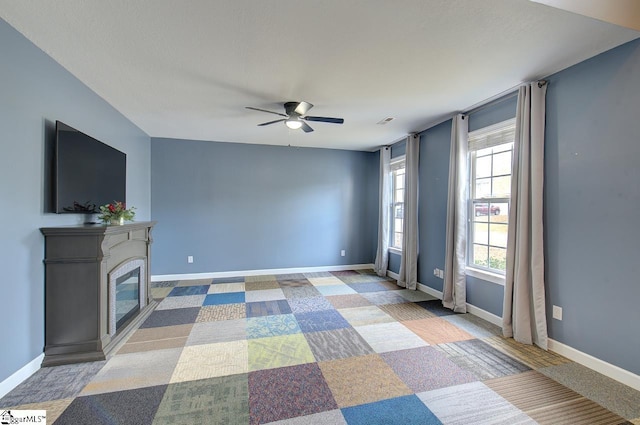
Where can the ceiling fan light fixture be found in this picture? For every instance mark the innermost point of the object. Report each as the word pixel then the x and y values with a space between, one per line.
pixel 293 123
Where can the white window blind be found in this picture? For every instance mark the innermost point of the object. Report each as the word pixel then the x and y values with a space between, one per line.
pixel 488 137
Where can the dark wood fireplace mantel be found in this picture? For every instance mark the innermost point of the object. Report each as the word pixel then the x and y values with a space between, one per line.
pixel 78 262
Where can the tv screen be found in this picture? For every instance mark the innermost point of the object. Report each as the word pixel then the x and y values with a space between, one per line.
pixel 88 173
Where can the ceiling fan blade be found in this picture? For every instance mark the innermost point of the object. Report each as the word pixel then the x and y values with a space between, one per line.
pixel 325 119
pixel 271 122
pixel 264 110
pixel 306 128
pixel 303 108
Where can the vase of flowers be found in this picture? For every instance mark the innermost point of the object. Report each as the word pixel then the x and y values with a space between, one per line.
pixel 116 213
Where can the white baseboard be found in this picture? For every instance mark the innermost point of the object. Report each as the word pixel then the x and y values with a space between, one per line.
pixel 20 375
pixel 612 371
pixel 214 275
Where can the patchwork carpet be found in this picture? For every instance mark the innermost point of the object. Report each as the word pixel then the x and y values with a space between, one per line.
pixel 343 347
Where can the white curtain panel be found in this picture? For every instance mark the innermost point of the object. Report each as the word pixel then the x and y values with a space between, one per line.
pixel 382 254
pixel 524 316
pixel 454 293
pixel 408 276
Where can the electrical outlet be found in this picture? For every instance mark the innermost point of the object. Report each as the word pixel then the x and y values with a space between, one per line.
pixel 557 312
pixel 343 253
pixel 190 259
pixel 441 274
pixel 435 272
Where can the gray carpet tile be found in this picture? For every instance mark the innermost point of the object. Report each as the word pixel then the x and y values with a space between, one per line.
pixel 300 292
pixel 337 344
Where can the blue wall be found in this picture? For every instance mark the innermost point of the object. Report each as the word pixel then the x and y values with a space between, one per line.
pixel 592 199
pixel 34 92
pixel 241 207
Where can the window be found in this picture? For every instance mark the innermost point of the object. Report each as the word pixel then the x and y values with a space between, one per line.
pixel 490 157
pixel 397 201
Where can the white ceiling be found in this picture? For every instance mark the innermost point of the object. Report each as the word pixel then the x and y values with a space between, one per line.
pixel 187 69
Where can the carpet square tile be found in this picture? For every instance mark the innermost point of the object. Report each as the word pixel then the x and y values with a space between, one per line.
pixel 257 286
pixel 220 400
pixel 481 359
pixel 390 336
pixel 337 344
pixel 425 368
pixel 347 301
pixel 435 307
pixel 212 313
pixel 172 317
pixel 181 302
pixel 363 379
pixel 473 403
pixel 137 406
pixel 268 326
pixel 189 290
pixel 300 292
pixel 320 348
pixel 264 295
pixel 405 311
pixel 217 331
pixel 267 308
pixel 224 298
pixel 324 320
pixel 325 281
pixel 387 297
pixel 407 410
pixel 369 287
pixel 157 339
pixel 436 330
pixel 279 351
pixel 222 288
pixel 308 304
pixel 219 359
pixel 369 315
pixel 341 289
pixel 288 392
pixel 134 370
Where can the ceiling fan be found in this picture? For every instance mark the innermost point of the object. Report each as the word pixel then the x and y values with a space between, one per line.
pixel 294 116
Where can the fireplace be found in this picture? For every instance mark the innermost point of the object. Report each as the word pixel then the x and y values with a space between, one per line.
pixel 127 294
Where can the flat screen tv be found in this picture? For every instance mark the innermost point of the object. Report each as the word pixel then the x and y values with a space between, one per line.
pixel 88 173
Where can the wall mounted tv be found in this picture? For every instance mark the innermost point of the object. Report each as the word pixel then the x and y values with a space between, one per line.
pixel 88 173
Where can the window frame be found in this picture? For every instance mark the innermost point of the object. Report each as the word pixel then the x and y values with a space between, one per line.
pixel 487 137
pixel 397 163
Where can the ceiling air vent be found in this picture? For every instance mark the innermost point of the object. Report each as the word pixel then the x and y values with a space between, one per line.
pixel 385 121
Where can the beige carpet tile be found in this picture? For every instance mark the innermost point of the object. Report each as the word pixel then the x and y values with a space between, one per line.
pixel 213 313
pixel 406 311
pixel 264 295
pixel 369 315
pixel 221 288
pixel 414 296
pixel 279 351
pixel 617 397
pixel 384 337
pixel 436 330
pixel 321 281
pixel 217 331
pixel 135 370
pixel 160 333
pixel 363 379
pixel 531 355
pixel 159 293
pixel 185 301
pixel 261 278
pixel 347 301
pixel 220 359
pixel 342 289
pixel 138 347
pixel 54 408
pixel 194 282
pixel 479 330
pixel 548 402
pixel 362 278
pixel 257 286
pixel 391 285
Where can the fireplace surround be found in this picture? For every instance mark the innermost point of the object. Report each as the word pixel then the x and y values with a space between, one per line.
pixel 96 289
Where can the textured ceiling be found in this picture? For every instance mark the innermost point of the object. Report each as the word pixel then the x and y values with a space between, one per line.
pixel 187 69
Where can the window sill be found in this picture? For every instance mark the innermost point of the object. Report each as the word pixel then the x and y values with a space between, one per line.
pixel 485 275
pixel 395 251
